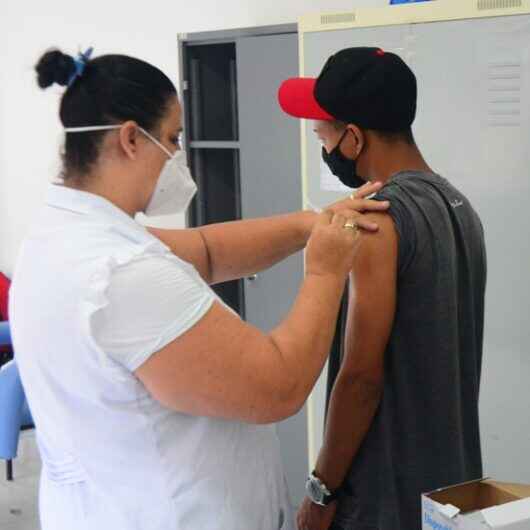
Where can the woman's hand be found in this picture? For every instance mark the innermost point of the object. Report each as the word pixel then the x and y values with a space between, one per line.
pixel 332 245
pixel 356 204
pixel 352 207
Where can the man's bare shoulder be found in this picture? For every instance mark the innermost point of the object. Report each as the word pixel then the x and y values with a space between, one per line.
pixel 378 246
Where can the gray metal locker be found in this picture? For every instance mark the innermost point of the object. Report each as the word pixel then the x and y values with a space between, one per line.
pixel 245 155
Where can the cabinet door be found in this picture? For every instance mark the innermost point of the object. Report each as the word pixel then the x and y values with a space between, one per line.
pixel 271 184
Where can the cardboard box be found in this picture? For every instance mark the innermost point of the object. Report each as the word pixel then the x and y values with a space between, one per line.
pixel 478 505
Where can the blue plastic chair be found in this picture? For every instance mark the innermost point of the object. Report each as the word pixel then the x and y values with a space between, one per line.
pixel 14 411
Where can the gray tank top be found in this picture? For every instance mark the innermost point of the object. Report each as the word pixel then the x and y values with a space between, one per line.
pixel 426 432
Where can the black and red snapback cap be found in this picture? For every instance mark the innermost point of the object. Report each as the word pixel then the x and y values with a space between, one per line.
pixel 368 87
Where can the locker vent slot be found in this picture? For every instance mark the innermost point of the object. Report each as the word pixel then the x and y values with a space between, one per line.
pixel 338 18
pixel 484 5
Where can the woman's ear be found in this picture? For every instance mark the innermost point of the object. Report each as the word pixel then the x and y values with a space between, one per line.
pixel 128 139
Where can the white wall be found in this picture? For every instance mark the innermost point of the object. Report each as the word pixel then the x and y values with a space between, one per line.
pixel 3 53
pixel 29 127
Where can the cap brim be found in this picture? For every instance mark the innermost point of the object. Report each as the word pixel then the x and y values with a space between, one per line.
pixel 296 98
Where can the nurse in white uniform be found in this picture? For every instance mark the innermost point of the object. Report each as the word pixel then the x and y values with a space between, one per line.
pixel 153 401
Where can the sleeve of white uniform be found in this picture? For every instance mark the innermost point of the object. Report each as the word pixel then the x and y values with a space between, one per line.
pixel 148 303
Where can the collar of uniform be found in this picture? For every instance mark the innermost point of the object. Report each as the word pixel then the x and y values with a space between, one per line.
pixel 87 203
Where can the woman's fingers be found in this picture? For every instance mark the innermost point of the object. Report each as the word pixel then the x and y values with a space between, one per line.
pixel 368 189
pixel 367 205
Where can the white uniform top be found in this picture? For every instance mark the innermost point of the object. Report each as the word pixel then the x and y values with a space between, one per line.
pixel 94 295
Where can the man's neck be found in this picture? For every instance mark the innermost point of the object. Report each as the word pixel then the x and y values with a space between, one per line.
pixel 389 160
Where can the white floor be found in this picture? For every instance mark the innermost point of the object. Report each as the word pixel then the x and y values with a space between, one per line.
pixel 18 499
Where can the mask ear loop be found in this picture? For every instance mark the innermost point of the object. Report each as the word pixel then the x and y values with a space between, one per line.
pixel 91 128
pixel 341 139
pixel 155 141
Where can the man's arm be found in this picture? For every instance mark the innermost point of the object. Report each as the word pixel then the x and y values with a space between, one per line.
pixel 357 391
pixel 358 388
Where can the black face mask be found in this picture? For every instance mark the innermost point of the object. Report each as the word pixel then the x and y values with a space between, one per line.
pixel 343 168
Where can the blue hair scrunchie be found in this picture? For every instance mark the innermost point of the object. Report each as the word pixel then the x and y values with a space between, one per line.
pixel 80 63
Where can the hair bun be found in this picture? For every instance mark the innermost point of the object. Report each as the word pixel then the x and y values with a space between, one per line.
pixel 54 67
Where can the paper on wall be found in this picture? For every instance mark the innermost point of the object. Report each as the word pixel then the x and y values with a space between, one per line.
pixel 329 182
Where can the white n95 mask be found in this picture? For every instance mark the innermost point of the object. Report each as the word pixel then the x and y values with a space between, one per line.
pixel 175 187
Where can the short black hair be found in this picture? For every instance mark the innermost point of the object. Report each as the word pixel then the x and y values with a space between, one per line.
pixel 391 137
pixel 112 89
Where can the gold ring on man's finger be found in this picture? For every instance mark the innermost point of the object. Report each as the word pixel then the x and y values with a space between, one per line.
pixel 351 225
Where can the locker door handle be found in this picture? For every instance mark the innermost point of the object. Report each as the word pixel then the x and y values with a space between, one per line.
pixel 252 278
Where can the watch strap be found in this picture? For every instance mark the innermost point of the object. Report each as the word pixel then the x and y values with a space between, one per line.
pixel 333 495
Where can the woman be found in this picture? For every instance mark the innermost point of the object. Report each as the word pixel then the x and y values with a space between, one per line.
pixel 151 398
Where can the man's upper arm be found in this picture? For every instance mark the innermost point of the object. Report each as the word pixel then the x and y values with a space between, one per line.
pixel 372 302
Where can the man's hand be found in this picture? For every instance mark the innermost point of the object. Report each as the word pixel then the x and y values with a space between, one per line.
pixel 357 204
pixel 311 516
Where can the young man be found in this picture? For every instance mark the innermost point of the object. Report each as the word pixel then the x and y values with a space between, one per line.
pixel 403 409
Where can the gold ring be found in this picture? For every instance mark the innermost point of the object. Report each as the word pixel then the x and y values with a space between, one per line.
pixel 353 197
pixel 351 225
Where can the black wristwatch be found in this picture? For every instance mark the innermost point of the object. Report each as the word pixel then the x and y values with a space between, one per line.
pixel 318 492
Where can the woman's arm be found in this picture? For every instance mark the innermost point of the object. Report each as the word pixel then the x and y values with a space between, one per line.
pixel 223 367
pixel 228 251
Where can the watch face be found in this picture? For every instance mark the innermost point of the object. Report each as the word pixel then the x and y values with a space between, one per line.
pixel 314 490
